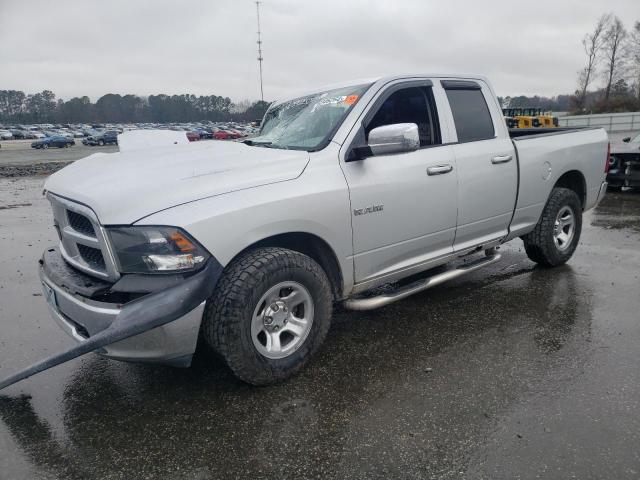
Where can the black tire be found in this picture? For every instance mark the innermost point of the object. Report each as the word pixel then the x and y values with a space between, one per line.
pixel 45 145
pixel 539 244
pixel 101 143
pixel 228 315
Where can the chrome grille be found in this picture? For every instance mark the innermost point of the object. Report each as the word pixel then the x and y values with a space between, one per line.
pixel 83 242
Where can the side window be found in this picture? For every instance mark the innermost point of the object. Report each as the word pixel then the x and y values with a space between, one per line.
pixel 470 114
pixel 409 105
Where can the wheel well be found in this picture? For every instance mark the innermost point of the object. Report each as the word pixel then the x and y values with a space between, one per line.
pixel 574 180
pixel 312 246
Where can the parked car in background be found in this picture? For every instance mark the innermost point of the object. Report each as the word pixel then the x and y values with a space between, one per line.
pixel 624 164
pixel 193 136
pixel 226 134
pixel 204 133
pixel 62 133
pixel 110 137
pixel 5 135
pixel 18 134
pixel 54 141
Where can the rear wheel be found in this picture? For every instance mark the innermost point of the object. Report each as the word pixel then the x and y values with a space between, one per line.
pixel 556 236
pixel 269 314
pixel 101 142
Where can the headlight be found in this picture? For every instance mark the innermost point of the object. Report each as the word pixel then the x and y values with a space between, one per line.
pixel 155 250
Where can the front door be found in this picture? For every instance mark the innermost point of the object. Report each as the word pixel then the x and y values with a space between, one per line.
pixel 404 205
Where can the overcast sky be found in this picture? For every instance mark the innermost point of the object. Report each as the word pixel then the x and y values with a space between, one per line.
pixel 93 47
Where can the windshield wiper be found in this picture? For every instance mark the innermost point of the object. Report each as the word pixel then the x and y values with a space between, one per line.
pixel 252 143
pixel 272 145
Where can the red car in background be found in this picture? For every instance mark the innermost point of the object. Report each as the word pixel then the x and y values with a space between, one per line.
pixel 193 136
pixel 221 134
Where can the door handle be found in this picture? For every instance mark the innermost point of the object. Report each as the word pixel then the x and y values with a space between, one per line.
pixel 439 169
pixel 502 159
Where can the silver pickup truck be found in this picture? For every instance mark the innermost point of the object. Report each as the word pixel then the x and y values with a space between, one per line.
pixel 248 245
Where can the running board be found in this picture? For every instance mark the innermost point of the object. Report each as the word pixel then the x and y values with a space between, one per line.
pixel 418 286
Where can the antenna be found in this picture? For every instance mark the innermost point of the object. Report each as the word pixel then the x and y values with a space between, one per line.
pixel 259 50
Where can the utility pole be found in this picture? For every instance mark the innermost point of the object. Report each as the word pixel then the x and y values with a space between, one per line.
pixel 259 50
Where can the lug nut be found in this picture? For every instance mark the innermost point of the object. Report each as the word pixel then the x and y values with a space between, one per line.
pixel 268 320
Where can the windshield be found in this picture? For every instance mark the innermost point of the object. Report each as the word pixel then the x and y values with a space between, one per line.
pixel 307 123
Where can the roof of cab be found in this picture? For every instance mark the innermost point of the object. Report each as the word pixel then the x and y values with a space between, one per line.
pixel 381 80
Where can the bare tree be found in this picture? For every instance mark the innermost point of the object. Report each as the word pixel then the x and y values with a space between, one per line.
pixel 634 57
pixel 592 43
pixel 614 53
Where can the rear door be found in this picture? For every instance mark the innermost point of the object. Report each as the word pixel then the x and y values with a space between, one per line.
pixel 403 205
pixel 486 161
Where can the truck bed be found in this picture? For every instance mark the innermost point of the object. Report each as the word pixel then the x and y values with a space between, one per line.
pixel 537 132
pixel 544 155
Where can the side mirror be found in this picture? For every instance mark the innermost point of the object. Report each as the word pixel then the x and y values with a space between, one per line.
pixel 396 138
pixel 626 139
pixel 388 139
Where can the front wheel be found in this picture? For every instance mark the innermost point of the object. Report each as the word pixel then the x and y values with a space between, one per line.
pixel 556 235
pixel 270 312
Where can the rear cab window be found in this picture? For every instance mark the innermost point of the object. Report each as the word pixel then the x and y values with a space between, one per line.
pixel 471 114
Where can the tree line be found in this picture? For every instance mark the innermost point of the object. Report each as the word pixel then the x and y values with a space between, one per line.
pixel 43 107
pixel 610 79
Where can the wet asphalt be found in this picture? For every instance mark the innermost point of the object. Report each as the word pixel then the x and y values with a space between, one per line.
pixel 510 372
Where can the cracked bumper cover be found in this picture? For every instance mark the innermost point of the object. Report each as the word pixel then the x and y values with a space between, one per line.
pixel 161 326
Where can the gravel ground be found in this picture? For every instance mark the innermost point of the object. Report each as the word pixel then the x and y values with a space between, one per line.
pixel 18 159
pixel 512 372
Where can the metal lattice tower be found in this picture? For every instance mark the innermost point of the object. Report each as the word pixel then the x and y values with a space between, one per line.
pixel 259 50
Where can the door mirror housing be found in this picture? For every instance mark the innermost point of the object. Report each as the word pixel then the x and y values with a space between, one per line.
pixel 626 139
pixel 396 138
pixel 387 140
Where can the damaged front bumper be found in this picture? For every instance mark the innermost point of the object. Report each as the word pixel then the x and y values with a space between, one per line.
pixel 172 344
pixel 144 318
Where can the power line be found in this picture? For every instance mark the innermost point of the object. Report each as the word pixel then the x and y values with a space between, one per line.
pixel 259 50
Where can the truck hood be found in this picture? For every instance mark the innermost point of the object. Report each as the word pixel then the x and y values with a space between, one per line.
pixel 124 187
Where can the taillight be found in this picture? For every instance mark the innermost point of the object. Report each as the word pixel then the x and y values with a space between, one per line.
pixel 607 161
